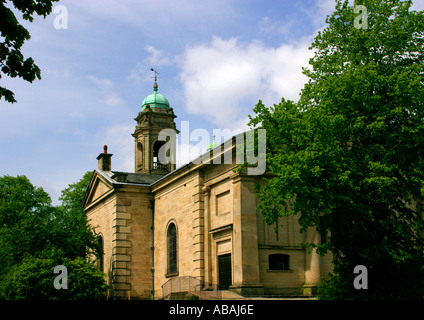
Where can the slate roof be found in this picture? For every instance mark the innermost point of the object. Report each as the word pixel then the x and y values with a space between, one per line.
pixel 128 178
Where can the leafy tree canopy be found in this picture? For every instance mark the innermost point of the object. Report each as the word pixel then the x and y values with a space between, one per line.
pixel 348 157
pixel 13 36
pixel 33 279
pixel 36 236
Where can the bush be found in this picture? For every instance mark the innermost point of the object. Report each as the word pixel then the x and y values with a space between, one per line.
pixel 33 279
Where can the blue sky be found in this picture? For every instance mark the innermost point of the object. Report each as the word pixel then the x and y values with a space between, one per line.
pixel 215 60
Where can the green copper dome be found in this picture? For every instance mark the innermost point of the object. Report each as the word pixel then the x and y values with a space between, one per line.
pixel 155 100
pixel 212 145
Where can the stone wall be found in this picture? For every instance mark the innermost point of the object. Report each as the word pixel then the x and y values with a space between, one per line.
pixel 174 203
pixel 133 238
pixel 122 216
pixel 214 210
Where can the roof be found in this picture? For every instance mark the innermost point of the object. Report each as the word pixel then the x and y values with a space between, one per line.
pixel 117 178
pixel 155 100
pixel 141 179
pixel 128 178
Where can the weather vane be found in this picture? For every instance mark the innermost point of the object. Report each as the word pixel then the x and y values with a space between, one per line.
pixel 155 86
pixel 156 74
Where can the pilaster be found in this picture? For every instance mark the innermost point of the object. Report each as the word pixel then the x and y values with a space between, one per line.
pixel 207 237
pixel 246 277
pixel 313 263
pixel 198 229
pixel 121 250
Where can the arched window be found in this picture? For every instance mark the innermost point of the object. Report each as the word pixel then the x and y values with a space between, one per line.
pixel 100 260
pixel 172 249
pixel 156 158
pixel 278 261
pixel 139 156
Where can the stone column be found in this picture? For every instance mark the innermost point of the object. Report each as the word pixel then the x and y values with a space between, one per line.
pixel 245 258
pixel 313 263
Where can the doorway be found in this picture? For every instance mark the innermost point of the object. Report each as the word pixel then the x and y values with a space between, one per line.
pixel 224 271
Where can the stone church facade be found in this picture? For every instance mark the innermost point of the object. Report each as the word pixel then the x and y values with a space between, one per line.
pixel 199 221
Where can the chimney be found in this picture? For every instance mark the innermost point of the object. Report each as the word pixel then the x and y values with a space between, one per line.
pixel 105 160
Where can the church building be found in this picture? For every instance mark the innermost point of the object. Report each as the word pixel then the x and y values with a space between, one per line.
pixel 160 225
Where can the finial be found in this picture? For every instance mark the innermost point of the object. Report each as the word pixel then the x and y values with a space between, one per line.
pixel 105 149
pixel 155 86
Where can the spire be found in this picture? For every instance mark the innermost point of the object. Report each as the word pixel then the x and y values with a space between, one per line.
pixel 212 145
pixel 155 86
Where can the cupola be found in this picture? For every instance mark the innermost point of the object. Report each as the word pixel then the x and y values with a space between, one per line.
pixel 155 100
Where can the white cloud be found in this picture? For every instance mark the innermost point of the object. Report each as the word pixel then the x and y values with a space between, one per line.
pixel 283 26
pixel 156 58
pixel 224 79
pixel 109 96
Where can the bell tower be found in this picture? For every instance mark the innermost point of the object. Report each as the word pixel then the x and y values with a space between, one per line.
pixel 151 154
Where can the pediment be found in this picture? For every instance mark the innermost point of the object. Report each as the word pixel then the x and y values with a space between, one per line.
pixel 97 189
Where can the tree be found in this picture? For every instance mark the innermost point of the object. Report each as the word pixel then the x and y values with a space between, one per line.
pixel 34 279
pixel 25 215
pixel 13 34
pixel 36 236
pixel 72 221
pixel 72 196
pixel 349 157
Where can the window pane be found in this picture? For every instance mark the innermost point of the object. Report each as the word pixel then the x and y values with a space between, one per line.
pixel 278 261
pixel 172 249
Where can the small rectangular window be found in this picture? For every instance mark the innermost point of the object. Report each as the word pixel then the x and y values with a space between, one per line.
pixel 278 261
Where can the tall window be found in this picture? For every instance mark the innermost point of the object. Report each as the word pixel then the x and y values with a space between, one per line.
pixel 139 156
pixel 278 261
pixel 157 156
pixel 172 248
pixel 100 260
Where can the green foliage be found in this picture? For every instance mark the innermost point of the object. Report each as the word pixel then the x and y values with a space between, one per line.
pixel 73 196
pixel 71 221
pixel 36 236
pixel 25 215
pixel 349 157
pixel 12 61
pixel 33 279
